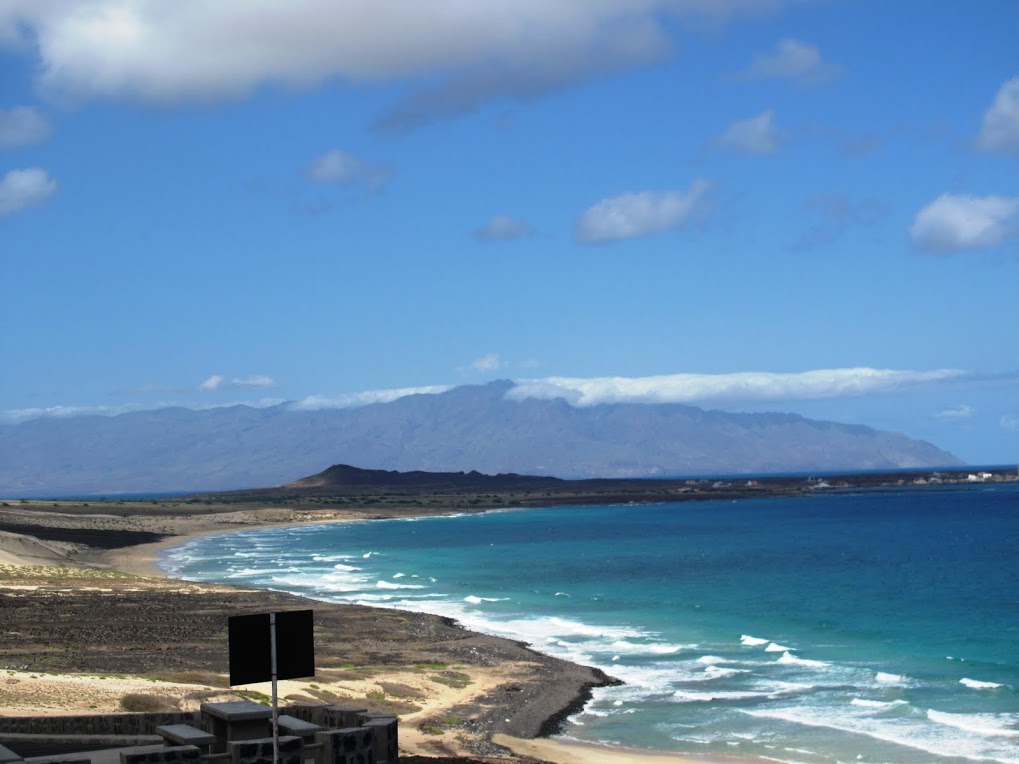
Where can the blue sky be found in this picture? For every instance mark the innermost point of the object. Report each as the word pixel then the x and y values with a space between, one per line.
pixel 769 205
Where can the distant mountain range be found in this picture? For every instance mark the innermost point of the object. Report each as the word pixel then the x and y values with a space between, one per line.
pixel 467 428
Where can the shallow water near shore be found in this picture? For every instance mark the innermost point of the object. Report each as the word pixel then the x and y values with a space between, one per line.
pixel 877 627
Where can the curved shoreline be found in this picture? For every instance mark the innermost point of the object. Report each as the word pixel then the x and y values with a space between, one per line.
pixel 544 742
pixel 536 708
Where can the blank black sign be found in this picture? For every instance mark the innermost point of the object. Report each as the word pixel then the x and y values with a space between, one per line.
pixel 250 647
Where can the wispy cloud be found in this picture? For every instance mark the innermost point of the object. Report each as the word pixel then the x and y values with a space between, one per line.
pixel 13 416
pixel 355 400
pixel 21 126
pixel 792 60
pixel 487 362
pixel 21 189
pixel 503 228
pixel 756 135
pixel 999 131
pixel 952 223
pixel 490 362
pixel 219 382
pixel 338 167
pixel 742 386
pixel 837 213
pixel 1009 422
pixel 629 216
pixel 963 411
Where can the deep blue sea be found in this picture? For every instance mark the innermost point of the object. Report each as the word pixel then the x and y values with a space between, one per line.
pixel 857 627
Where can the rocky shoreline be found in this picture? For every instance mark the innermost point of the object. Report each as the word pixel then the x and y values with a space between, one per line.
pixel 71 607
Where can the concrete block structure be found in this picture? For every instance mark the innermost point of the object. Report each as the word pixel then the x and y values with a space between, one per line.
pixel 351 745
pixel 342 716
pixel 261 751
pixel 237 720
pixel 176 754
pixel 387 745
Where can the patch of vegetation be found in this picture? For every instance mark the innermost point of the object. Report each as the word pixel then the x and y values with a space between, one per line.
pixel 258 697
pixel 142 702
pixel 398 690
pixel 432 666
pixel 454 679
pixel 440 726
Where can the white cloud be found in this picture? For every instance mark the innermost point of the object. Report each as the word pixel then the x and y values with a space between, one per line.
pixel 488 362
pixel 793 60
pixel 756 135
pixel 212 383
pixel 503 228
pixel 24 188
pixel 742 386
pixel 339 167
pixel 963 411
pixel 1009 422
pixel 956 222
pixel 22 126
pixel 255 380
pixel 1000 129
pixel 219 382
pixel 13 416
pixel 174 51
pixel 632 215
pixel 355 400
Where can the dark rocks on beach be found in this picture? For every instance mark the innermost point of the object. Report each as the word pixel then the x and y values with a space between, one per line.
pixel 128 625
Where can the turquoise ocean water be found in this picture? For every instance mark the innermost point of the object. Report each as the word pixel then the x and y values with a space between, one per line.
pixel 874 627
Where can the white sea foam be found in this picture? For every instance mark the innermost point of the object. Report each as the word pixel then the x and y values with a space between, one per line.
pixel 712 660
pixel 723 672
pixel 982 724
pixel 791 660
pixel 389 585
pixel 686 696
pixel 654 648
pixel 250 572
pixel 752 641
pixel 885 678
pixel 976 684
pixel 478 600
pixel 342 566
pixel 878 705
pixel 399 575
pixel 777 648
pixel 971 736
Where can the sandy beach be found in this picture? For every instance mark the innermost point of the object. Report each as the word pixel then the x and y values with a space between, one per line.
pixel 91 629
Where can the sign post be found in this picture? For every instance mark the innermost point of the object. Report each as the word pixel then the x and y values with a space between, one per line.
pixel 269 647
pixel 275 694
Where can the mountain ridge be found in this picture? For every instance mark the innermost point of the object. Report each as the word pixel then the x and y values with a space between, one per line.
pixel 472 427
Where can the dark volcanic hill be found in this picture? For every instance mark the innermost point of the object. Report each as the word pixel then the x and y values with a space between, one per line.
pixel 343 476
pixel 467 428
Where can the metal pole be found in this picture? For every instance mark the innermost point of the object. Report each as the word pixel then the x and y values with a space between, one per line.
pixel 275 700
